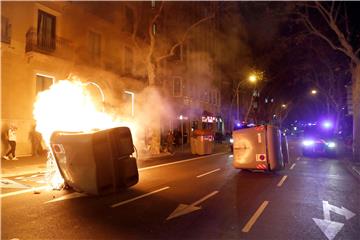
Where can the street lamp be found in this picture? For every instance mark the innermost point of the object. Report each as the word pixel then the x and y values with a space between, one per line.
pixel 182 132
pixel 283 105
pixel 252 78
pixel 314 92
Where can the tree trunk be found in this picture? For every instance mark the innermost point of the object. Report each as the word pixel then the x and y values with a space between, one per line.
pixel 356 112
pixel 150 68
pixel 155 125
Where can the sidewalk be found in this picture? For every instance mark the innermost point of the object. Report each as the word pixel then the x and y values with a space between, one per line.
pixel 33 165
pixel 352 165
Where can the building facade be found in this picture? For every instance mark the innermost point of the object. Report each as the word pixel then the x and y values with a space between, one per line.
pixel 105 44
pixel 43 42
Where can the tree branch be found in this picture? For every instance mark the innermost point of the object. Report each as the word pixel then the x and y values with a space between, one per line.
pixel 184 37
pixel 317 32
pixel 357 51
pixel 324 12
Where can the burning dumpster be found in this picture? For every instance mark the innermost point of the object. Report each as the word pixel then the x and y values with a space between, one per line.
pixel 99 162
pixel 258 148
pixel 202 142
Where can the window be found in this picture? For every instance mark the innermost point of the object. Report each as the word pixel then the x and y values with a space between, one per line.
pixel 43 82
pixel 128 60
pixel 5 30
pixel 129 25
pixel 46 31
pixel 177 87
pixel 154 29
pixel 94 44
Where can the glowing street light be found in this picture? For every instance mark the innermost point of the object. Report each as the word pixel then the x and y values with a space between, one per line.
pixel 252 78
pixel 283 105
pixel 314 92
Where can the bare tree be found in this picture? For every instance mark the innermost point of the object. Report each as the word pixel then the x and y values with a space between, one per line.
pixel 160 47
pixel 337 34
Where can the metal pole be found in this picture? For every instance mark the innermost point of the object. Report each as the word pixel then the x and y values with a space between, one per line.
pixel 182 136
pixel 237 105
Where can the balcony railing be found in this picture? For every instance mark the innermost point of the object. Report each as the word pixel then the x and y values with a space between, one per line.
pixel 58 47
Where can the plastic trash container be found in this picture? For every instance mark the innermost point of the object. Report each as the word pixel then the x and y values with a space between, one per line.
pixel 202 142
pixel 258 148
pixel 98 162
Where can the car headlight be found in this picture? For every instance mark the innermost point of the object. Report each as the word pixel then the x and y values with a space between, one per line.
pixel 231 140
pixel 331 144
pixel 308 143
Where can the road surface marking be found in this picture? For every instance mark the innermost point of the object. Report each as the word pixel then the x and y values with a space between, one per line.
pixel 141 196
pixel 181 161
pixel 183 209
pixel 254 217
pixel 7 183
pixel 357 171
pixel 68 196
pixel 218 169
pixel 282 181
pixel 292 166
pixel 24 191
pixel 328 227
pixel 298 158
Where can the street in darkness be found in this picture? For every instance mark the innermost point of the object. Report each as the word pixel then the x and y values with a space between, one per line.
pixel 199 198
pixel 180 120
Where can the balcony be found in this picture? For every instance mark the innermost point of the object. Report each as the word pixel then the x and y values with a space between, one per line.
pixel 57 47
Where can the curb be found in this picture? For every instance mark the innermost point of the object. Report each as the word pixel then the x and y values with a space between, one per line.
pixel 354 168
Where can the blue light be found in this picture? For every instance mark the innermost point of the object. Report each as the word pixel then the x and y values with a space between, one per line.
pixel 331 144
pixel 327 124
pixel 238 125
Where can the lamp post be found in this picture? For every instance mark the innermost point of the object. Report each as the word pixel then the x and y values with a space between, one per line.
pixel 252 79
pixel 313 91
pixel 182 132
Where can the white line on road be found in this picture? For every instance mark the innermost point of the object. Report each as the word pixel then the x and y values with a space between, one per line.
pixel 356 170
pixel 24 191
pixel 292 166
pixel 254 217
pixel 141 196
pixel 282 181
pixel 218 169
pixel 181 161
pixel 205 198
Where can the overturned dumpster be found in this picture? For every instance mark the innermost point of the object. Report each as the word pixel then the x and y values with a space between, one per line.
pixel 258 148
pixel 96 163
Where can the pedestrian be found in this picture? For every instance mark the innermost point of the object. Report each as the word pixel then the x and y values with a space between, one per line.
pixel 11 135
pixel 36 139
pixel 170 142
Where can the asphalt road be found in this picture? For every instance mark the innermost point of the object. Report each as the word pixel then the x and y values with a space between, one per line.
pixel 311 199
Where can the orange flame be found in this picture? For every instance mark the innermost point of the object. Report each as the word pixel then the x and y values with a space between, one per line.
pixel 67 106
